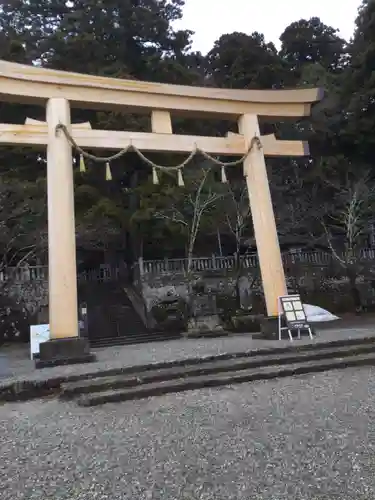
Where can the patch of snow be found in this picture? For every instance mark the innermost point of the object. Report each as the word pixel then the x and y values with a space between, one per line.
pixel 316 314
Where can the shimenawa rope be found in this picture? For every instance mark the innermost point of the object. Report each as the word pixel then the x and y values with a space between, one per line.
pixel 153 165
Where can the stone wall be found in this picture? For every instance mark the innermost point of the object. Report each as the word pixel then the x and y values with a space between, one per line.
pixel 21 304
pixel 33 295
pixel 321 285
pixel 156 288
pixel 26 285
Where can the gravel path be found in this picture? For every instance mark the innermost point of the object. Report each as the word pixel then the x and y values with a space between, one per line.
pixel 310 437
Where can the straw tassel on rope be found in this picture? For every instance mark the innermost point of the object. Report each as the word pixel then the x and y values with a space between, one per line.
pixel 108 173
pixel 155 178
pixel 82 166
pixel 180 179
pixel 254 141
pixel 224 179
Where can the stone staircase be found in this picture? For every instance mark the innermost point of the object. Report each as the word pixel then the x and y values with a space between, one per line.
pixel 113 319
pixel 132 383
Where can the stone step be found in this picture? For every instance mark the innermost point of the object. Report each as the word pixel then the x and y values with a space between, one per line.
pixel 133 338
pixel 207 367
pixel 318 346
pixel 222 379
pixel 167 336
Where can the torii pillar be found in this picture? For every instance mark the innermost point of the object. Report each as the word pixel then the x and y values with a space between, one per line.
pixel 267 241
pixel 65 345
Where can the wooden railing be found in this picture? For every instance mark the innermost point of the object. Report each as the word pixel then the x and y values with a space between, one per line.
pixel 40 273
pixel 143 267
pixel 24 274
pixel 102 275
pixel 248 261
pixel 198 264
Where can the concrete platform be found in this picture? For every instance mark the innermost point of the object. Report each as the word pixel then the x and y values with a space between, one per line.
pixel 19 378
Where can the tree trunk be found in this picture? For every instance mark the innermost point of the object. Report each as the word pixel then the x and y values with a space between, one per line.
pixel 354 291
pixel 188 276
pixel 219 243
pixel 238 268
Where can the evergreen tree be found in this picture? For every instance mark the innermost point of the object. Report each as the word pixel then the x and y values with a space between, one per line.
pixel 244 61
pixel 120 38
pixel 310 42
pixel 359 86
pixel 136 39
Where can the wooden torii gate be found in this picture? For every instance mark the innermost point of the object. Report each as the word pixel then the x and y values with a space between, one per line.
pixel 58 91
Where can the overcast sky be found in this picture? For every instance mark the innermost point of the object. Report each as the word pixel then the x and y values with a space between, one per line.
pixel 211 18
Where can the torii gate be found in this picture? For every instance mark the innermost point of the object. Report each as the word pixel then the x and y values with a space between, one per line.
pixel 58 90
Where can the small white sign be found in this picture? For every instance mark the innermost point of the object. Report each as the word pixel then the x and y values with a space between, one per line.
pixel 38 334
pixel 292 310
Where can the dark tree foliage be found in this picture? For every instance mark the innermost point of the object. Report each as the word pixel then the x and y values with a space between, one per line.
pixel 244 61
pixel 309 42
pixel 136 39
pixel 359 86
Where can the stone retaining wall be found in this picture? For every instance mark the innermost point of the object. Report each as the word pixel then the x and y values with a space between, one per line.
pixel 317 285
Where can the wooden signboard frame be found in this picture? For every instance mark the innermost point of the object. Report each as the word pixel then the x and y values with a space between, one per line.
pixel 292 316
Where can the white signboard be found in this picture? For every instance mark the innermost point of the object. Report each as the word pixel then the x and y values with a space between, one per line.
pixel 292 311
pixel 38 334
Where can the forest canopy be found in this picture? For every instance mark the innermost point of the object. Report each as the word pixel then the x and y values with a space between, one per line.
pixel 323 200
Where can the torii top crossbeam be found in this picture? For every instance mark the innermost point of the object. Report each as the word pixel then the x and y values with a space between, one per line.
pixel 34 85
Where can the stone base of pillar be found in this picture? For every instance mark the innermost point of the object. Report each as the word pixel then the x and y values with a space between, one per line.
pixel 269 327
pixel 67 351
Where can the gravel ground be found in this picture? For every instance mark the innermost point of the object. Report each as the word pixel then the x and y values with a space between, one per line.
pixel 310 437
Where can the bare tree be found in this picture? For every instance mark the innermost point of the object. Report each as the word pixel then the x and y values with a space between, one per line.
pixel 237 213
pixel 236 219
pixel 296 202
pixel 347 225
pixel 23 239
pixel 189 209
pixel 23 224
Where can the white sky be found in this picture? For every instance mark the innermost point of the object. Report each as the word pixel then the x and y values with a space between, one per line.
pixel 210 19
